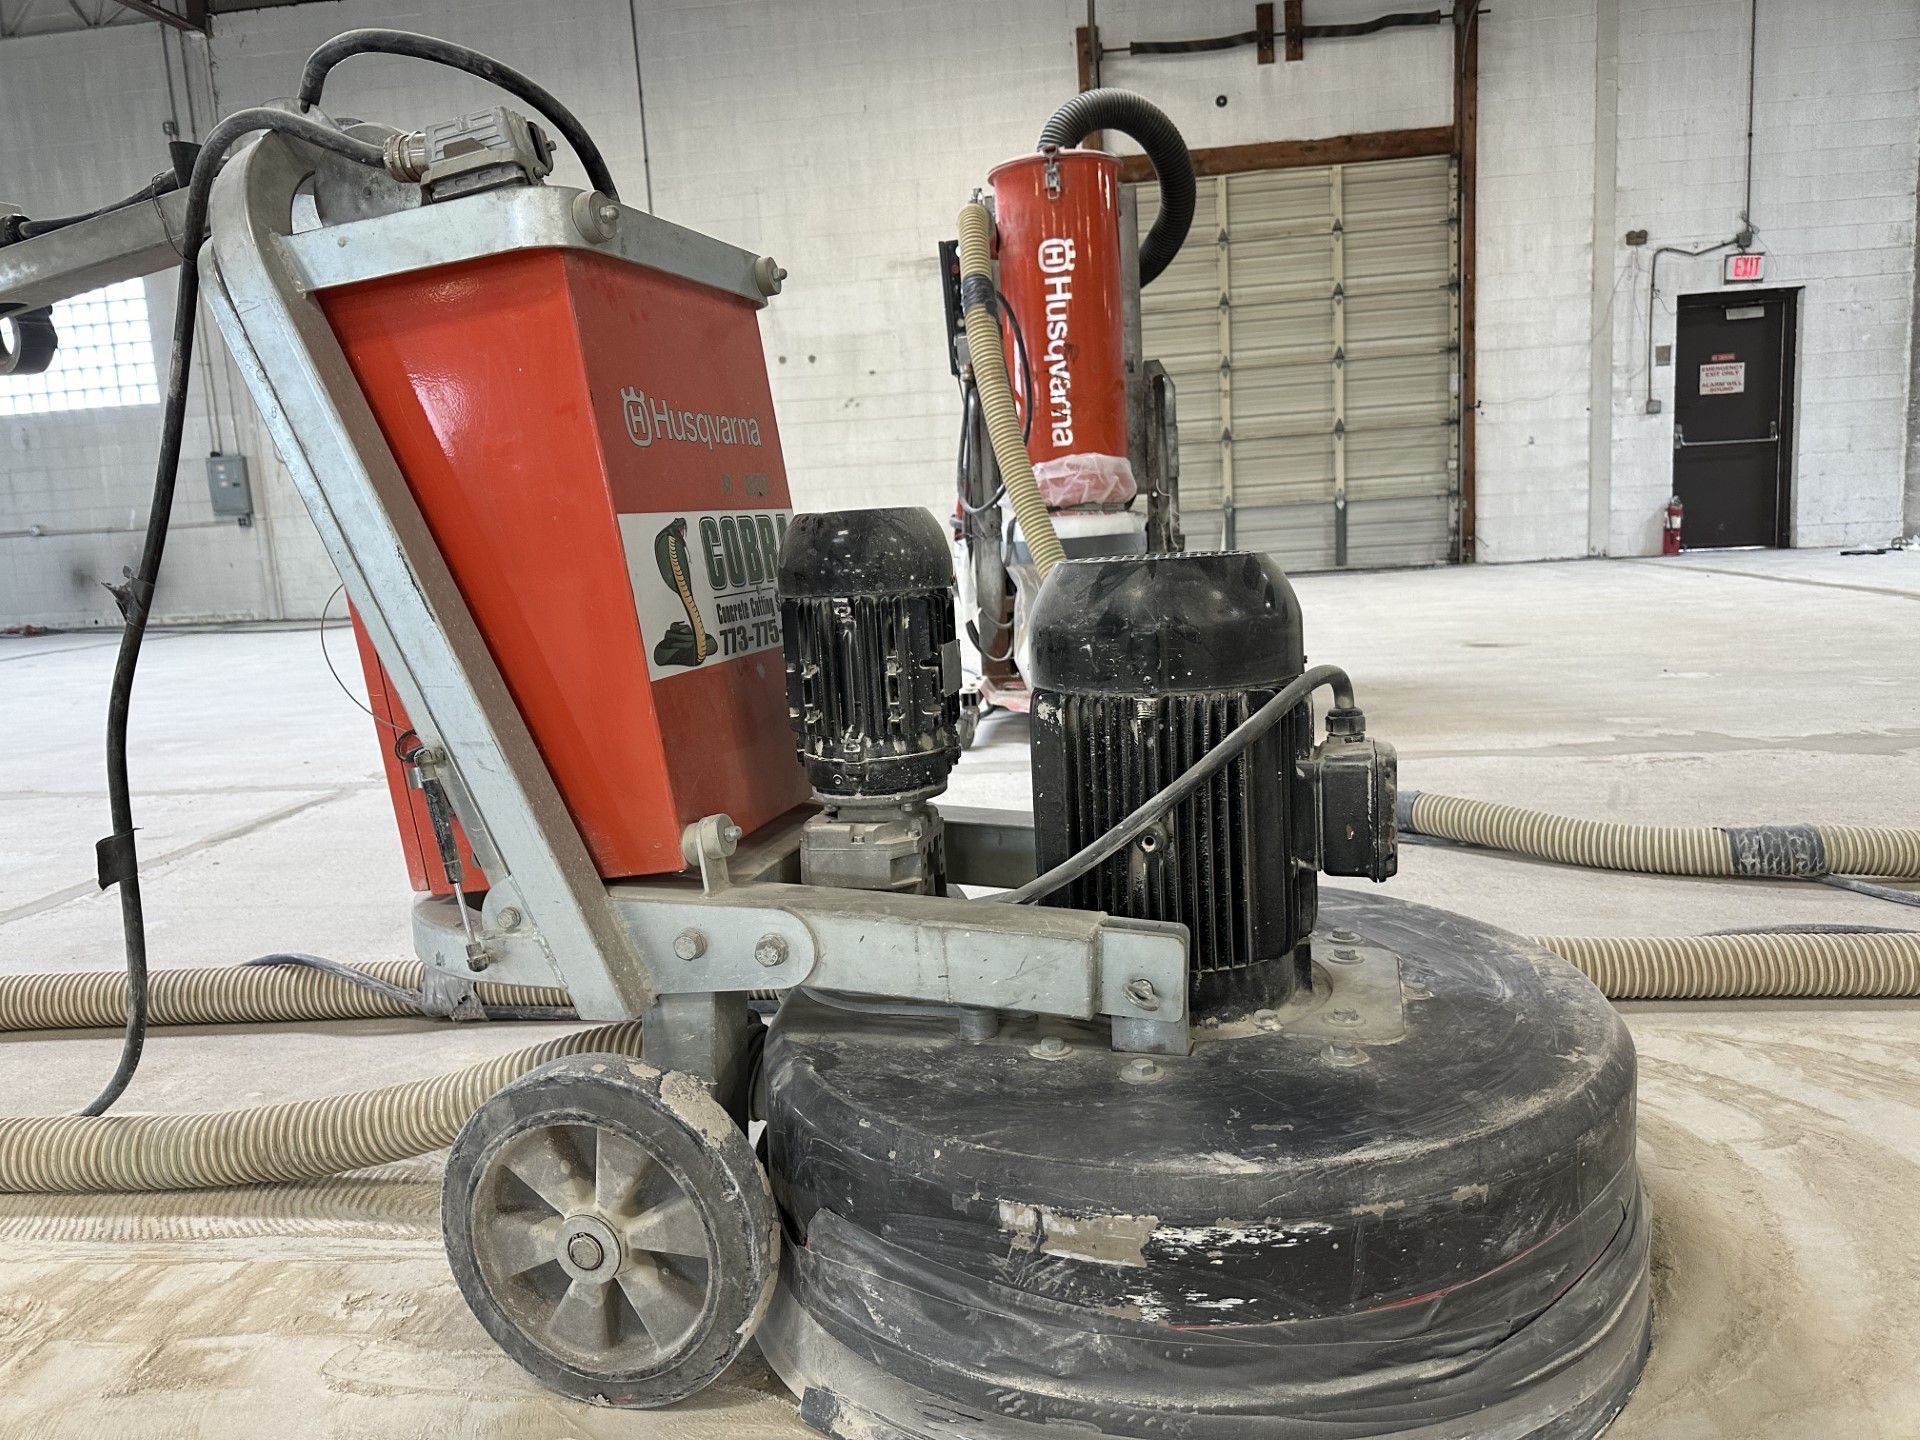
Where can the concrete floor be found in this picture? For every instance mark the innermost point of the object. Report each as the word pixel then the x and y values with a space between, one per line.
pixel 1781 1143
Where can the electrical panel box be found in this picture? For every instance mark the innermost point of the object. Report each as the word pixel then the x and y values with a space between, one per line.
pixel 229 488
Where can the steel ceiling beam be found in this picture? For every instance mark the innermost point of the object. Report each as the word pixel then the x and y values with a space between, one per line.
pixel 192 14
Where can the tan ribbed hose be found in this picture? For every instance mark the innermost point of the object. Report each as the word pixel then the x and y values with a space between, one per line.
pixel 1888 851
pixel 1747 967
pixel 996 392
pixel 230 995
pixel 300 1140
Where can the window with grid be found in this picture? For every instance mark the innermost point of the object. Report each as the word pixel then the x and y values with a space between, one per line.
pixel 105 357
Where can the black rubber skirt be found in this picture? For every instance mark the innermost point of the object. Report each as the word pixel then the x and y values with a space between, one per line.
pixel 1426 1224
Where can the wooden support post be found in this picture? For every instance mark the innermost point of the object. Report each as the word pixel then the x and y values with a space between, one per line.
pixel 1087 68
pixel 1466 124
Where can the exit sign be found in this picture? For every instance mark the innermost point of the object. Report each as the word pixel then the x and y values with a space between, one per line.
pixel 1746 268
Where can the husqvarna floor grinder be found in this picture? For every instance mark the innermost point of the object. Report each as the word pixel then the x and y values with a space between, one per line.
pixel 1107 1121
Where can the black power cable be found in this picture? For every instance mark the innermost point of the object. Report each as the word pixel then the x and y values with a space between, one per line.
pixel 378 41
pixel 1026 360
pixel 118 861
pixel 1867 887
pixel 1238 741
pixel 183 152
pixel 19 227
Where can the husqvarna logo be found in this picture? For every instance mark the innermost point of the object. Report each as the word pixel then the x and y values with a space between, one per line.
pixel 639 422
pixel 1056 271
pixel 649 420
pixel 1056 255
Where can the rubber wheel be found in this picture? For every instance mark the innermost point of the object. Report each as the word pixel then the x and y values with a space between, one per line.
pixel 610 1227
pixel 969 727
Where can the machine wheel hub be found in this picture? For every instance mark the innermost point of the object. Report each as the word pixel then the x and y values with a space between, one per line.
pixel 589 1249
pixel 626 1239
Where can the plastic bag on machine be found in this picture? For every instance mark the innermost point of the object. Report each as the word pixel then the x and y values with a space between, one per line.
pixel 1514 1336
pixel 1085 479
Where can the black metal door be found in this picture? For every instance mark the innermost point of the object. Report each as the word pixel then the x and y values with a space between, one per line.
pixel 1732 418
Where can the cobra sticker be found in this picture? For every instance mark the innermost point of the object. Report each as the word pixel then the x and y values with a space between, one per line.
pixel 703 583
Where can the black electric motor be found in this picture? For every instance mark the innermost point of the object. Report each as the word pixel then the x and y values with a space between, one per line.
pixel 873 668
pixel 1140 666
pixel 873 692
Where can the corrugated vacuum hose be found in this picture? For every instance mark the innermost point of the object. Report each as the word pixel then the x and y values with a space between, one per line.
pixel 244 995
pixel 1759 852
pixel 1759 966
pixel 299 1140
pixel 996 389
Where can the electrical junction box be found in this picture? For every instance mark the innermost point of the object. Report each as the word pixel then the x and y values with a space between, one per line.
pixel 229 488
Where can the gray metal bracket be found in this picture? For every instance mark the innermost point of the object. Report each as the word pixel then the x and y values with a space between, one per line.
pixel 930 949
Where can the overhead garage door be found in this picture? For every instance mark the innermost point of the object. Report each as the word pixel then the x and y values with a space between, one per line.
pixel 1311 323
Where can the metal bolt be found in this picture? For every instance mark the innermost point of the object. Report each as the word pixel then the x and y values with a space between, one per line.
pixel 1345 1017
pixel 768 274
pixel 1343 1054
pixel 1345 955
pixel 733 834
pixel 1267 1019
pixel 477 957
pixel 1345 937
pixel 585 1252
pixel 595 216
pixel 689 944
pixel 1142 1069
pixel 1141 993
pixel 1051 1048
pixel 510 918
pixel 771 951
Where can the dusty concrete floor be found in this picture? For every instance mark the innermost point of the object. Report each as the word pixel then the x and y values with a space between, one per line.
pixel 1781 1142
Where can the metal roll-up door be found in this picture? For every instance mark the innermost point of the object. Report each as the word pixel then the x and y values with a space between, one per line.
pixel 1311 324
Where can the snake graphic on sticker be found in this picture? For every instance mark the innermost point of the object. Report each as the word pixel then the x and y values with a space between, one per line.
pixel 686 641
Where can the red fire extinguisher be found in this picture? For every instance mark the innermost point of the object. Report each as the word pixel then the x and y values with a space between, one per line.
pixel 1670 527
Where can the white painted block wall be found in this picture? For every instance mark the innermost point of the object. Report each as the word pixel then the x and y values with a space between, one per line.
pixel 1836 150
pixel 841 136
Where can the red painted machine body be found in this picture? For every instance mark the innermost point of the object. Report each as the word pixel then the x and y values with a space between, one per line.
pixel 1058 216
pixel 592 444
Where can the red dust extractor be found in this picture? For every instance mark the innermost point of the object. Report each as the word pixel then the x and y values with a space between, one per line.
pixel 1058 214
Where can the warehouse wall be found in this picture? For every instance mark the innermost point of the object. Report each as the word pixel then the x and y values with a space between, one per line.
pixel 1836 150
pixel 82 124
pixel 841 137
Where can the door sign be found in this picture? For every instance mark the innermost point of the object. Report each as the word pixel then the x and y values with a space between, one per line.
pixel 1724 378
